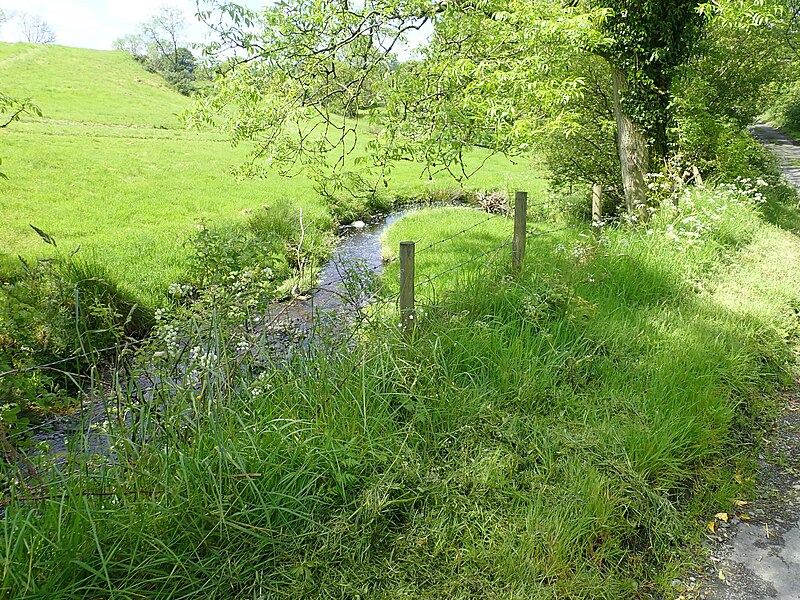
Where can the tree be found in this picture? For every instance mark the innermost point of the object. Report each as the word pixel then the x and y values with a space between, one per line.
pixel 5 16
pixel 497 74
pixel 161 47
pixel 648 41
pixel 35 30
pixel 163 32
pixel 133 44
pixel 469 88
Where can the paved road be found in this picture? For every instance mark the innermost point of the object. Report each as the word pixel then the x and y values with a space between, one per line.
pixel 785 148
pixel 759 558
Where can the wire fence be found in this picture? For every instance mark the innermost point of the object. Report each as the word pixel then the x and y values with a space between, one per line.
pixel 347 287
pixel 463 264
pixel 373 299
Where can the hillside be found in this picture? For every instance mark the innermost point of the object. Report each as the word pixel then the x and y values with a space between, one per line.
pixel 88 86
pixel 110 168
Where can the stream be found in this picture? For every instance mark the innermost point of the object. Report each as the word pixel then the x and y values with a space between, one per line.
pixel 359 249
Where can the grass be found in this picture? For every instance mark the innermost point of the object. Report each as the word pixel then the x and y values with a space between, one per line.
pixel 74 85
pixel 110 171
pixel 109 168
pixel 441 248
pixel 564 433
pixel 561 433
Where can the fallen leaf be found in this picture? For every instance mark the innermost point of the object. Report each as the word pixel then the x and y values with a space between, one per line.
pixel 744 517
pixel 721 575
pixel 712 527
pixel 722 516
pixel 740 503
pixel 737 477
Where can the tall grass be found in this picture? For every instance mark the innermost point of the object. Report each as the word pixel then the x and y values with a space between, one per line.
pixel 553 435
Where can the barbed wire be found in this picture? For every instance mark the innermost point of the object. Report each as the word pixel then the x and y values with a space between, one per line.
pixel 504 215
pixel 534 233
pixel 384 264
pixel 457 234
pixel 325 287
pixel 346 298
pixel 531 233
pixel 462 264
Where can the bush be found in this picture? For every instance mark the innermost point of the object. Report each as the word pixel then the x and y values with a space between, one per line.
pixel 785 112
pixel 273 245
pixel 52 310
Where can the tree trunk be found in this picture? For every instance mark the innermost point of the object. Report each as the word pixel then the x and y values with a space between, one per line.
pixel 632 148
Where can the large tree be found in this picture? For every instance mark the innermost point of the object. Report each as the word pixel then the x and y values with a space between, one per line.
pixel 160 44
pixel 648 42
pixel 497 74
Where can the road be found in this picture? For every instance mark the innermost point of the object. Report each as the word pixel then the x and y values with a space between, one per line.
pixel 757 556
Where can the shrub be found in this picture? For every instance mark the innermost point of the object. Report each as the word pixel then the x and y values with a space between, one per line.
pixel 59 309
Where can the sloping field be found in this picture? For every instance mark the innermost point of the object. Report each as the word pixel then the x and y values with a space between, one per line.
pixel 110 167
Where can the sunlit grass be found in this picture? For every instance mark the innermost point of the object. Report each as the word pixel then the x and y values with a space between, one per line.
pixel 109 168
pixel 565 432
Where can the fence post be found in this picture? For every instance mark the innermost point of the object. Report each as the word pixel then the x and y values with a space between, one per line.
pixel 698 179
pixel 407 287
pixel 520 230
pixel 597 204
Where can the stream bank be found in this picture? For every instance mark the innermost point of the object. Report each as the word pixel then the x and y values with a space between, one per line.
pixel 288 327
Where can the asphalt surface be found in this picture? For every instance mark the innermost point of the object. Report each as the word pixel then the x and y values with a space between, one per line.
pixel 756 554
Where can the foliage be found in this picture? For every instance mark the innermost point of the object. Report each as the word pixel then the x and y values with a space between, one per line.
pixel 160 47
pixel 502 76
pixel 116 146
pixel 11 109
pixel 503 454
pixel 273 244
pixel 734 69
pixel 56 309
pixel 471 88
pixel 784 113
pixel 581 150
pixel 650 41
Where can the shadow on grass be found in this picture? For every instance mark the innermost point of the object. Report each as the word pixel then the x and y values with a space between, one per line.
pixel 556 434
pixel 784 210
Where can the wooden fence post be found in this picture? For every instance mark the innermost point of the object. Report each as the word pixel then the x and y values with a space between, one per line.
pixel 520 230
pixel 597 204
pixel 698 179
pixel 407 287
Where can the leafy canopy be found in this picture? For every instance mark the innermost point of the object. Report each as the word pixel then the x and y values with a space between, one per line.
pixel 313 77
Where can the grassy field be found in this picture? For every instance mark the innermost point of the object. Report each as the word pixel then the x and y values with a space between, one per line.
pixel 110 168
pixel 565 433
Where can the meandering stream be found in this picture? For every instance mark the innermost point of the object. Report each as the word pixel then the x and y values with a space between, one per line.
pixel 360 244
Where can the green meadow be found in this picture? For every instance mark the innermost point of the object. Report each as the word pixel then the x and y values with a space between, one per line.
pixel 565 431
pixel 110 168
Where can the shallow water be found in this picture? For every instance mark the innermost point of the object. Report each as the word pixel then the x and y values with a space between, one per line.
pixel 356 246
pixel 294 330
